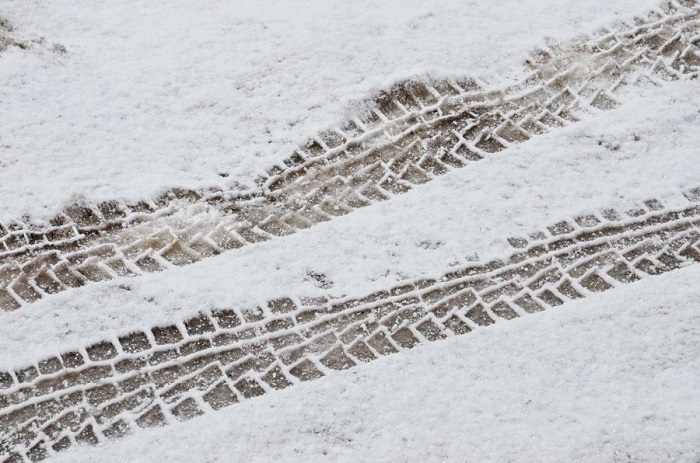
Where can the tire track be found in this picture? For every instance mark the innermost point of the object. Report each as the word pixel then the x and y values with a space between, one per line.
pixel 409 135
pixel 218 358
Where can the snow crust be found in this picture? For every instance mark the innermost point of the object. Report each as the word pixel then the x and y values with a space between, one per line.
pixel 609 378
pixel 155 94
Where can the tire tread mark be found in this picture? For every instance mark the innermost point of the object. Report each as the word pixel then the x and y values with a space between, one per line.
pixel 410 134
pixel 218 358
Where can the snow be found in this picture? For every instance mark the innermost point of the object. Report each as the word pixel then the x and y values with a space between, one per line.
pixel 154 94
pixel 467 214
pixel 609 378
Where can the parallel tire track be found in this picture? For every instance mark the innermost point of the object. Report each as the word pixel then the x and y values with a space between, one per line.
pixel 414 132
pixel 218 358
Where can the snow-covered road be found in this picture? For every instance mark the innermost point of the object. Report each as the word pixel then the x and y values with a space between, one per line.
pixel 157 94
pixel 611 378
pixel 566 252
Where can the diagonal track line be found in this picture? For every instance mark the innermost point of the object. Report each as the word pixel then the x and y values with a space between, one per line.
pixel 409 135
pixel 218 358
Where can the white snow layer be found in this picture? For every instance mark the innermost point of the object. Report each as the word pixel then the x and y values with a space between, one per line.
pixel 153 94
pixel 466 214
pixel 611 378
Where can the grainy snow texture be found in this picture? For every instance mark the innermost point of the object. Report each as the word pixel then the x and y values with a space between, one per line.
pixel 467 215
pixel 559 275
pixel 151 95
pixel 613 378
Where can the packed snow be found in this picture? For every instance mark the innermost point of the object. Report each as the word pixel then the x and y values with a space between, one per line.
pixel 150 95
pixel 154 94
pixel 606 379
pixel 616 159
